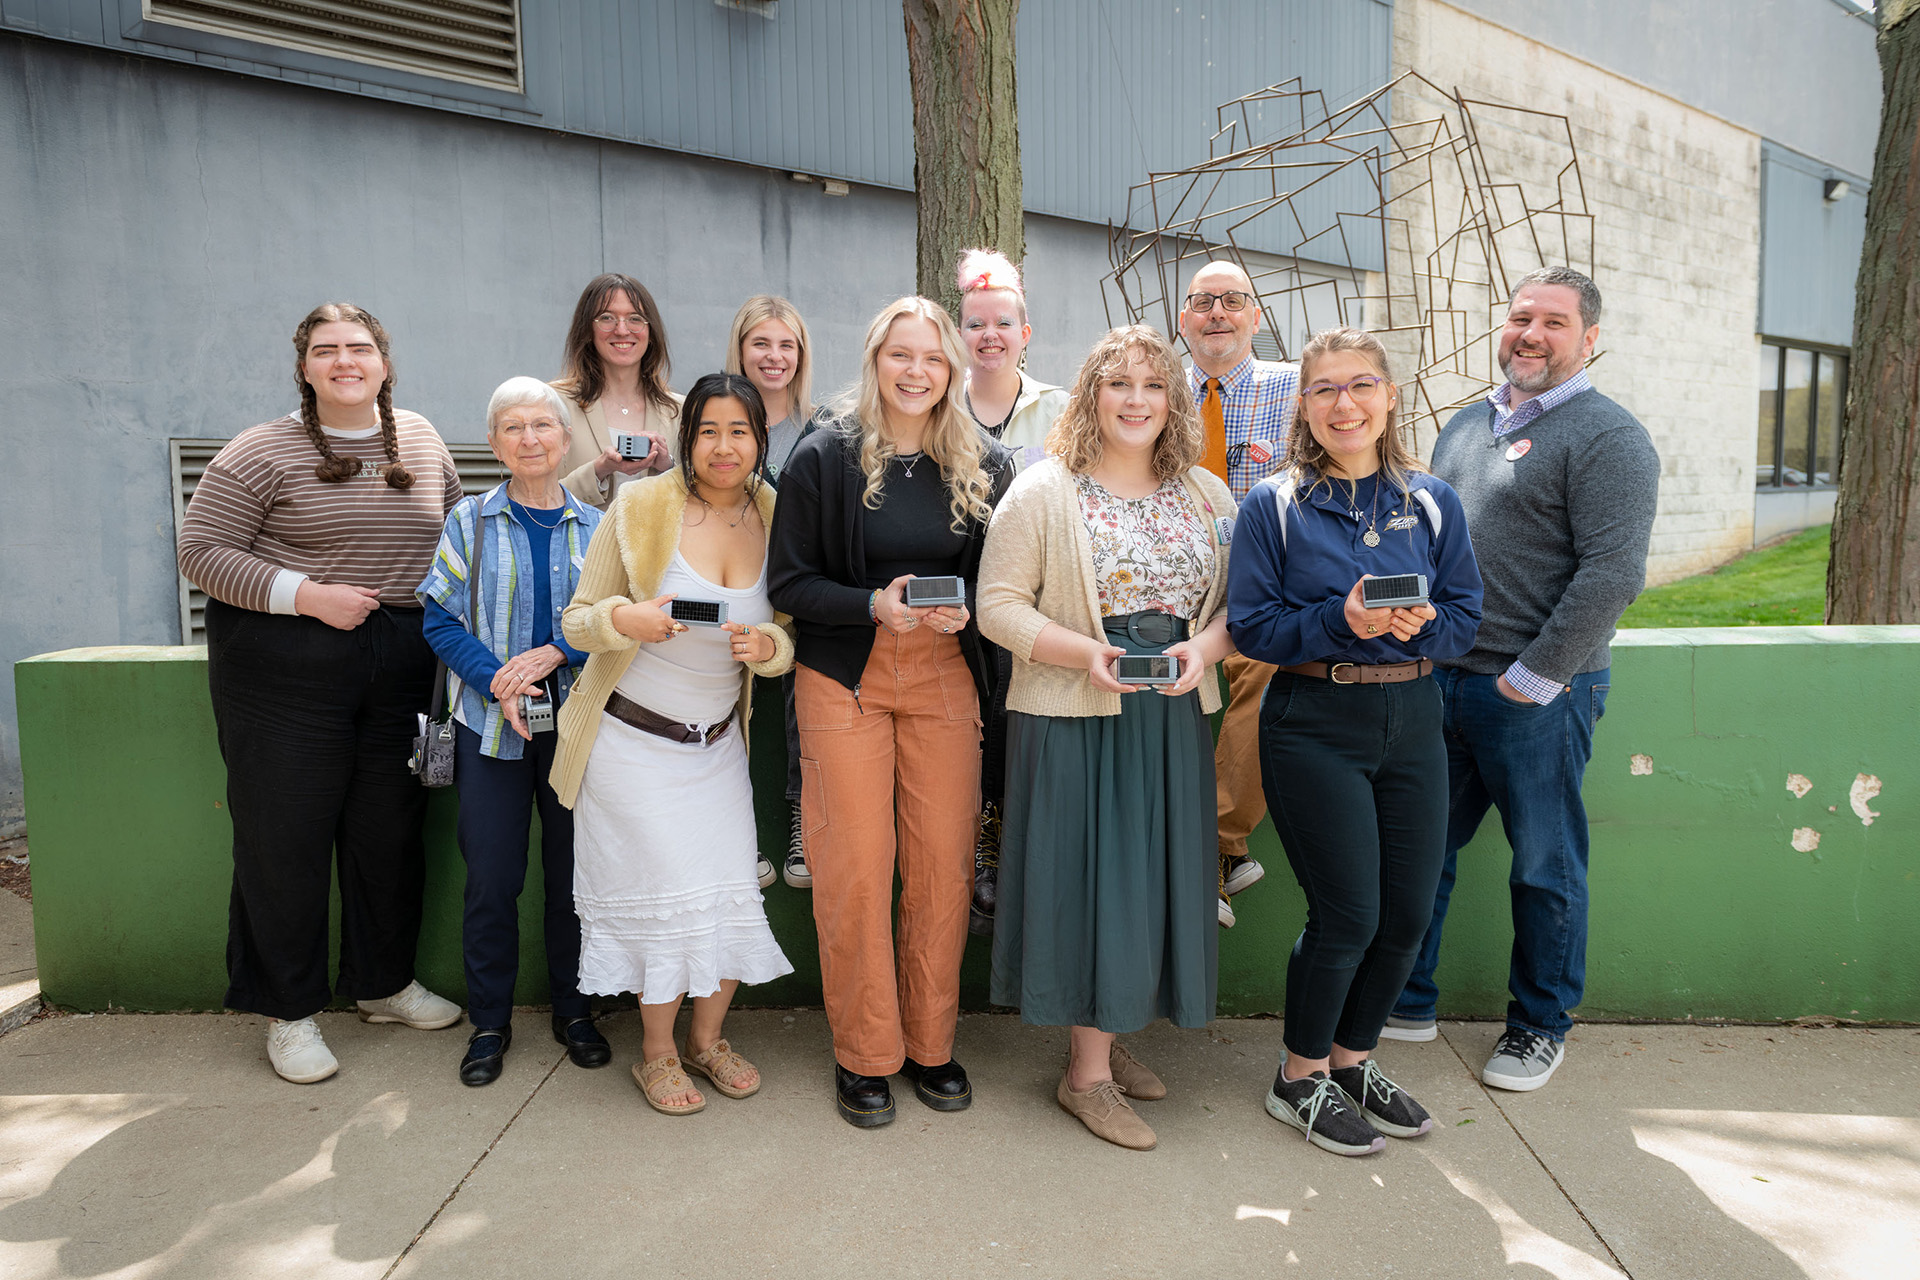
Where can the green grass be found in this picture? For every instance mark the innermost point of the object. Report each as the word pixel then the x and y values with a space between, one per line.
pixel 1784 585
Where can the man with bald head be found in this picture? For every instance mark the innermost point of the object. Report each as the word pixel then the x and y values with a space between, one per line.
pixel 1247 408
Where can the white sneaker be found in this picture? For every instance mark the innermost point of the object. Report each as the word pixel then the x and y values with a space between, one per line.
pixel 763 870
pixel 298 1053
pixel 414 1005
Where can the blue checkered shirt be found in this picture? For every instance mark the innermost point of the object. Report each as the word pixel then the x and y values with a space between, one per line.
pixel 1505 422
pixel 1257 404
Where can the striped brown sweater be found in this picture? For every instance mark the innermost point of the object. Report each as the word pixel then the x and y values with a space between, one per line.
pixel 260 509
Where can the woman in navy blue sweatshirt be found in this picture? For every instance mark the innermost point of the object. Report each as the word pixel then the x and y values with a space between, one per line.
pixel 514 552
pixel 1351 755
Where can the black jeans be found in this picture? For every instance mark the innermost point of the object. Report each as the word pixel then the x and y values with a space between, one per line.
pixel 1356 779
pixel 497 798
pixel 315 726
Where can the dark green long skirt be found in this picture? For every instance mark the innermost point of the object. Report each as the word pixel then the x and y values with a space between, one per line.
pixel 1109 868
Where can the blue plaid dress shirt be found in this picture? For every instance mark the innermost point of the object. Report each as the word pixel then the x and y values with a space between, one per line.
pixel 1257 404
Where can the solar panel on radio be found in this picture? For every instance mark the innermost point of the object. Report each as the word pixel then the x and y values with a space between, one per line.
pixel 698 613
pixel 1395 591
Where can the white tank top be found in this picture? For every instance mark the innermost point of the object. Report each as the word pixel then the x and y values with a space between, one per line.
pixel 692 678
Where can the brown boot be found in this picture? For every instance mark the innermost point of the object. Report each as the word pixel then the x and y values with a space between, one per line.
pixel 1104 1110
pixel 1136 1081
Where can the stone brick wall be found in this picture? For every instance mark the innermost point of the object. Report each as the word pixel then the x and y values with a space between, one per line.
pixel 1675 195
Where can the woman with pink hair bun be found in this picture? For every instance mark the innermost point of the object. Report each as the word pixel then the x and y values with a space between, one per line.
pixel 1013 408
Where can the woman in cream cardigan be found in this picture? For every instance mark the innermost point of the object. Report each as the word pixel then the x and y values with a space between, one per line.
pixel 1115 544
pixel 653 756
pixel 614 376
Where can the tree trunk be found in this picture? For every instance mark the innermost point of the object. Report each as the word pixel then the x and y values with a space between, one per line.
pixel 1874 575
pixel 966 136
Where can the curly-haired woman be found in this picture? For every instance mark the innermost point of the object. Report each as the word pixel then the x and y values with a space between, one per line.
pixel 309 534
pixel 1115 545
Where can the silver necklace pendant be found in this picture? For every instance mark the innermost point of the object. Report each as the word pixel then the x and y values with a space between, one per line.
pixel 907 466
pixel 1371 538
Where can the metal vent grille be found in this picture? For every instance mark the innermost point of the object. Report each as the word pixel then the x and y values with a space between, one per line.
pixel 479 471
pixel 475 41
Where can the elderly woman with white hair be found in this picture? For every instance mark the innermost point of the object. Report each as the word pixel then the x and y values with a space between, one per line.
pixel 508 562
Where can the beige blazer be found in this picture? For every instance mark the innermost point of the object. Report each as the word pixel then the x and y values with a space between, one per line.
pixel 1038 568
pixel 593 436
pixel 627 558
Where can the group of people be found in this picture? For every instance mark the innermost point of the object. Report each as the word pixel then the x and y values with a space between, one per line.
pixel 999 610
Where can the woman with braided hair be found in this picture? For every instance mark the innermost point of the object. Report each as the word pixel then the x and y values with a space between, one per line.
pixel 309 534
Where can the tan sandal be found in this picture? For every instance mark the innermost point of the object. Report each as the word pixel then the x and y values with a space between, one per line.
pixel 724 1069
pixel 662 1078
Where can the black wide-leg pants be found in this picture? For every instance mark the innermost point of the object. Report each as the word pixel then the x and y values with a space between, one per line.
pixel 315 725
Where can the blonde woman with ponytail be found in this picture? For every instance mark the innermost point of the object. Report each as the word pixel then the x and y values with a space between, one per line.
pixel 888 698
pixel 1014 408
pixel 309 534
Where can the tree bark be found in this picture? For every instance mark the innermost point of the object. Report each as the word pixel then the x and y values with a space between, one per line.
pixel 1874 573
pixel 966 136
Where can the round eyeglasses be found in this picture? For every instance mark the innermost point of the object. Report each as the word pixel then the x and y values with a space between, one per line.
pixel 1362 389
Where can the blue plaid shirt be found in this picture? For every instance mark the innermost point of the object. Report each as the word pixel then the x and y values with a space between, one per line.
pixel 1257 404
pixel 505 624
pixel 1505 422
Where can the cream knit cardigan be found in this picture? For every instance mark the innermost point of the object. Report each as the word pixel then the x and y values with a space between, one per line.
pixel 627 558
pixel 1038 568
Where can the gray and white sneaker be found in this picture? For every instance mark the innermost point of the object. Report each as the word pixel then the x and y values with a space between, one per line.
pixel 1413 1030
pixel 297 1052
pixel 1523 1060
pixel 795 873
pixel 1318 1107
pixel 1385 1104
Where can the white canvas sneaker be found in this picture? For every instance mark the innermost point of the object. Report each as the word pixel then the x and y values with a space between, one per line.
pixel 298 1053
pixel 415 1006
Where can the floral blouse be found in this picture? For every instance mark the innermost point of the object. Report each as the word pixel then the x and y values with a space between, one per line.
pixel 1148 553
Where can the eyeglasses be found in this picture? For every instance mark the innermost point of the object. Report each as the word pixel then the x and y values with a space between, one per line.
pixel 540 426
pixel 608 320
pixel 1233 300
pixel 1362 389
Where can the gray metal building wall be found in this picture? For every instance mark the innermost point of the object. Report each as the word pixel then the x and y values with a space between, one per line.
pixel 164 226
pixel 1809 248
pixel 1108 88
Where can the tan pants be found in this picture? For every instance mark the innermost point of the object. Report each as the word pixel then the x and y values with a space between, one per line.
pixel 1236 756
pixel 891 780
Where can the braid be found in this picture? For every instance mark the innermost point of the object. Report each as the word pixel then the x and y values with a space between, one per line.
pixel 332 469
pixel 398 477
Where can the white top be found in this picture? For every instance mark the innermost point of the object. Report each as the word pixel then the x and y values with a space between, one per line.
pixel 692 678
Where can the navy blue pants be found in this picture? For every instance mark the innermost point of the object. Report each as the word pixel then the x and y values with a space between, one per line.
pixel 1356 780
pixel 1527 761
pixel 497 798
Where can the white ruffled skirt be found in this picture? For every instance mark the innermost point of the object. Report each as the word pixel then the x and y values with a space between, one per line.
pixel 663 868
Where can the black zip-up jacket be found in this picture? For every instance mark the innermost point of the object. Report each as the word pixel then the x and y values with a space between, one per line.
pixel 817 557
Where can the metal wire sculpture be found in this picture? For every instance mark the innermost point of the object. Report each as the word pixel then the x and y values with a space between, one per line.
pixel 1425 258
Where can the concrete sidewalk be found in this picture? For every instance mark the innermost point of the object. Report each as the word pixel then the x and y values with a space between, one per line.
pixel 146 1146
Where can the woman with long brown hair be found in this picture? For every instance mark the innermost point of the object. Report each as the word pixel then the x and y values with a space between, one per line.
pixel 309 534
pixel 614 375
pixel 1351 753
pixel 888 698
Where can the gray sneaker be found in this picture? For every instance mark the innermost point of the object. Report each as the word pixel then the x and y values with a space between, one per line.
pixel 1415 1030
pixel 1523 1060
pixel 1317 1107
pixel 1387 1106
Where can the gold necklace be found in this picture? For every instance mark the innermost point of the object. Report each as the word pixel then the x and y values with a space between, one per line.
pixel 746 504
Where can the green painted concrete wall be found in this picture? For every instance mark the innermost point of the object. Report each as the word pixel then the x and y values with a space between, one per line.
pixel 1703 906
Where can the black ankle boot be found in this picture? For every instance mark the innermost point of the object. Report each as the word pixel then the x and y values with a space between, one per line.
pixel 866 1102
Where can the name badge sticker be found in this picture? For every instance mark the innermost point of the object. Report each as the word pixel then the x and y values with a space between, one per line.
pixel 1518 450
pixel 1223 530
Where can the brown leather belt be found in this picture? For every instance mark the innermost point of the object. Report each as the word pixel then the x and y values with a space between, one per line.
pixel 1355 673
pixel 629 712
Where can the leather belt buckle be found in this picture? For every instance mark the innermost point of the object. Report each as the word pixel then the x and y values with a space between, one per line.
pixel 1333 672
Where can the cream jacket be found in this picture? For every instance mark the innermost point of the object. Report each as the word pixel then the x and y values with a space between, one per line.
pixel 1038 568
pixel 593 435
pixel 627 558
pixel 1039 404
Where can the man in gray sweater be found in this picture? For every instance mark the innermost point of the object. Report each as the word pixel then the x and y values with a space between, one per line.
pixel 1559 485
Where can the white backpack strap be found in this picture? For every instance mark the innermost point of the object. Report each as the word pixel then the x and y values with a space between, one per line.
pixel 1282 499
pixel 1425 499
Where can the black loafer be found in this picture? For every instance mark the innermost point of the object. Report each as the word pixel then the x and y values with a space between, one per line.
pixel 944 1088
pixel 486 1055
pixel 866 1102
pixel 585 1045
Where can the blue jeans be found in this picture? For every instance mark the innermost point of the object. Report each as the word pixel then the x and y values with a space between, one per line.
pixel 1527 761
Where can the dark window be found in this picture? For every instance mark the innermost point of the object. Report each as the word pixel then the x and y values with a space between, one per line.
pixel 1802 402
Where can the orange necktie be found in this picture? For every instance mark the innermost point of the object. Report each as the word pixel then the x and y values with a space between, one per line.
pixel 1213 422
